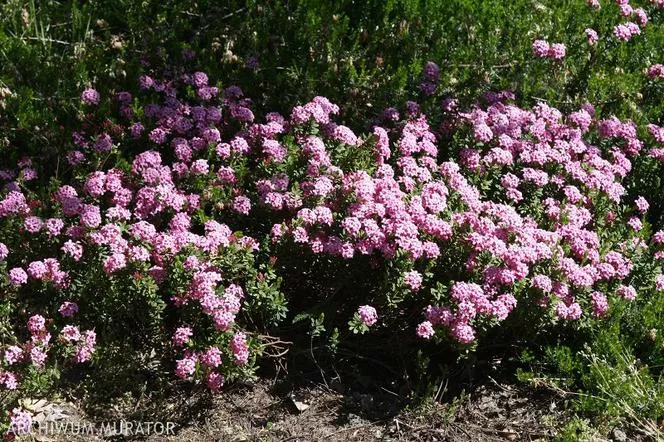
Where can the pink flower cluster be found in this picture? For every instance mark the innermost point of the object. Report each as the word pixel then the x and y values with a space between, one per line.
pixel 20 422
pixel 657 133
pixel 403 209
pixel 141 220
pixel 625 31
pixel 207 361
pixel 368 315
pixel 638 19
pixel 555 51
pixel 34 352
pixel 90 97
pixel 431 78
pixel 592 36
pixel 656 71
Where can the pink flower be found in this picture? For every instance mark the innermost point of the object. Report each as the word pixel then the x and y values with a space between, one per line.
pixel 91 216
pixel 240 348
pixel 642 204
pixel 20 421
pixel 33 224
pixel 656 71
pixel 463 333
pixel 592 36
pixel 13 354
pixel 368 315
pixel 4 251
pixel 115 262
pixel 181 336
pixel 185 367
pixel 83 353
pixel 557 51
pixel 17 276
pixel 37 270
pixel 625 31
pixel 54 226
pixel 94 185
pixel 90 97
pixel 158 135
pixel 641 16
pixel 542 282
pixel 37 356
pixel 627 292
pixel 599 303
pixel 104 143
pixel 68 309
pixel 73 249
pixel 659 282
pixel 8 380
pixel 413 280
pixel 242 204
pixel 425 330
pixel 199 167
pixel 214 381
pixel 574 311
pixel 635 223
pixel 212 357
pixel 75 157
pixel 70 333
pixel 431 71
pixel 541 48
pixel 36 324
pixel 626 9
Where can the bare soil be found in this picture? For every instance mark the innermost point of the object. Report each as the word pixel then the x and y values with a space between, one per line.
pixel 263 412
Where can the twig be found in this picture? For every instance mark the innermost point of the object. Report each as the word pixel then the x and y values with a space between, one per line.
pixel 438 396
pixel 467 65
pixel 391 392
pixel 273 340
pixel 322 373
pixel 497 384
pixel 397 421
pixel 459 427
pixel 277 355
pixel 505 432
pixel 232 13
pixel 277 343
pixel 355 427
pixel 551 101
pixel 50 40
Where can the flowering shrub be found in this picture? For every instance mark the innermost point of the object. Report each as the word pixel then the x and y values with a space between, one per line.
pixel 131 244
pixel 532 207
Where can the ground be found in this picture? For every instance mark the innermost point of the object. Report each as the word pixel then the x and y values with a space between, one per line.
pixel 266 412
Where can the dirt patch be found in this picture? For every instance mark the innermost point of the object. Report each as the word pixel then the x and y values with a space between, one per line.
pixel 264 412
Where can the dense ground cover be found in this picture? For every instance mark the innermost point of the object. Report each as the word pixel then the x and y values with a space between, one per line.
pixel 454 181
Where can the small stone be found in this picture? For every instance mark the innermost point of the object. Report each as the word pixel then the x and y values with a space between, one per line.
pixel 300 406
pixel 652 334
pixel 619 435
